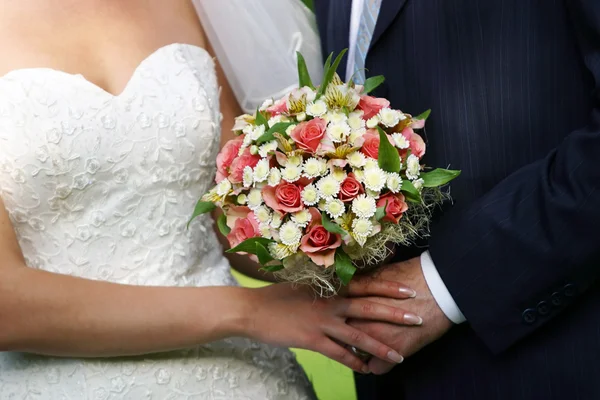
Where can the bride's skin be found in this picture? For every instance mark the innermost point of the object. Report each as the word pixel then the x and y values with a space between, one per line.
pixel 55 314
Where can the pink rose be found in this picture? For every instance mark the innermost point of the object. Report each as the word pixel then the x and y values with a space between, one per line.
pixel 228 153
pixel 417 145
pixel 285 197
pixel 308 135
pixel 280 107
pixel 371 105
pixel 350 188
pixel 395 207
pixel 236 171
pixel 318 243
pixel 370 147
pixel 243 229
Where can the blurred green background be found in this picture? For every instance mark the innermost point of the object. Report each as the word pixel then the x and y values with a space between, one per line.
pixel 332 381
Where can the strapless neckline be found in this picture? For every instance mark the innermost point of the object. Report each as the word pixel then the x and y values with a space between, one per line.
pixel 156 53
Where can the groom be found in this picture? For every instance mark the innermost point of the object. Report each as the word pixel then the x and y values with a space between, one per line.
pixel 507 288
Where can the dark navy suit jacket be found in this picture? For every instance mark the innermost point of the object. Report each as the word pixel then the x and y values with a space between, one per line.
pixel 514 88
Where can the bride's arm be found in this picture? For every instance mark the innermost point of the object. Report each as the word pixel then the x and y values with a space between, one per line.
pixel 53 314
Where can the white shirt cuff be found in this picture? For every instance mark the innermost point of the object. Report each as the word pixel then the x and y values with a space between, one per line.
pixel 439 290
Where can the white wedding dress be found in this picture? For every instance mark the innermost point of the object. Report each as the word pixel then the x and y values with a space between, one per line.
pixel 101 186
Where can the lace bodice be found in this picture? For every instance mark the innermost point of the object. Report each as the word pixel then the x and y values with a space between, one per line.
pixel 102 186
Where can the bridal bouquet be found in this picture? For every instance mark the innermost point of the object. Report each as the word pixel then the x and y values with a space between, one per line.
pixel 319 183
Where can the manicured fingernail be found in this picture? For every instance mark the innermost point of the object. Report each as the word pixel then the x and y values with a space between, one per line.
pixel 408 292
pixel 365 370
pixel 395 357
pixel 412 319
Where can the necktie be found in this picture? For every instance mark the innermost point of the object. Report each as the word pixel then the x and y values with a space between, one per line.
pixel 365 34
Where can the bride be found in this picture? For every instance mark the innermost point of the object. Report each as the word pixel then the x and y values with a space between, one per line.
pixel 109 127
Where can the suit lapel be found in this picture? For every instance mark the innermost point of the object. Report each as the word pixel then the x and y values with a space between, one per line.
pixel 389 11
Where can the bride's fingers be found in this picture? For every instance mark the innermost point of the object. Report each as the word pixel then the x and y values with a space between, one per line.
pixel 367 286
pixel 344 356
pixel 365 309
pixel 354 337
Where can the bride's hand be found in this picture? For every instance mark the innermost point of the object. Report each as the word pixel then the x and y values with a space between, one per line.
pixel 283 316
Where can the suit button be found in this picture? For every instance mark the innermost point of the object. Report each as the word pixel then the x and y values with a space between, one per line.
pixel 543 308
pixel 556 299
pixel 570 290
pixel 529 316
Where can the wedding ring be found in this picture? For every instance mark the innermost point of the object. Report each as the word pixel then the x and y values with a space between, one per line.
pixel 363 355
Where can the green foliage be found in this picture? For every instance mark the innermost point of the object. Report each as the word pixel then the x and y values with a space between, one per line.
pixel 202 207
pixel 389 159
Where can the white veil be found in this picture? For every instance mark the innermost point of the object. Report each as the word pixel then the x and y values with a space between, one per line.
pixel 256 43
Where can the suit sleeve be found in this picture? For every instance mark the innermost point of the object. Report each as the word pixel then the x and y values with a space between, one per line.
pixel 524 252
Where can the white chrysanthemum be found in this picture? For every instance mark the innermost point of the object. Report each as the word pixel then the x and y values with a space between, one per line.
pixel 267 148
pixel 413 167
pixel 338 132
pixel 394 182
pixel 290 234
pixel 335 208
pixel 356 121
pixel 419 184
pixel 375 179
pixel 248 129
pixel 371 163
pixel 274 177
pixel 389 117
pixel 314 167
pixel 262 215
pixel 276 220
pixel 328 187
pixel 302 218
pixel 316 109
pixel 310 195
pixel 295 160
pixel 261 170
pixel 254 199
pixel 355 135
pixel 400 141
pixel 359 174
pixel 356 159
pixel 242 199
pixel 265 231
pixel 301 117
pixel 362 227
pixel 364 206
pixel 289 129
pixel 257 132
pixel 373 122
pixel 335 117
pixel 224 187
pixel 339 174
pixel 245 143
pixel 247 176
pixel 291 173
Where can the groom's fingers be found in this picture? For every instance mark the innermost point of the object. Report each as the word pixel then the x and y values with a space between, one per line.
pixel 368 286
pixel 368 310
pixel 380 367
pixel 344 356
pixel 354 337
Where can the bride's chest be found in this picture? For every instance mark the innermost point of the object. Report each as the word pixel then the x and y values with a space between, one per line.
pixel 59 126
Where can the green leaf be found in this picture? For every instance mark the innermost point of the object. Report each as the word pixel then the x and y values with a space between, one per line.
pixel 263 254
pixel 410 192
pixel 249 245
pixel 389 159
pixel 423 115
pixel 261 119
pixel 272 268
pixel 328 77
pixel 222 224
pixel 279 127
pixel 327 65
pixel 380 213
pixel 373 83
pixel 202 207
pixel 331 226
pixel 344 268
pixel 438 177
pixel 303 75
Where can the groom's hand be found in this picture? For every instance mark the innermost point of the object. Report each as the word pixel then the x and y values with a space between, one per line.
pixel 407 340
